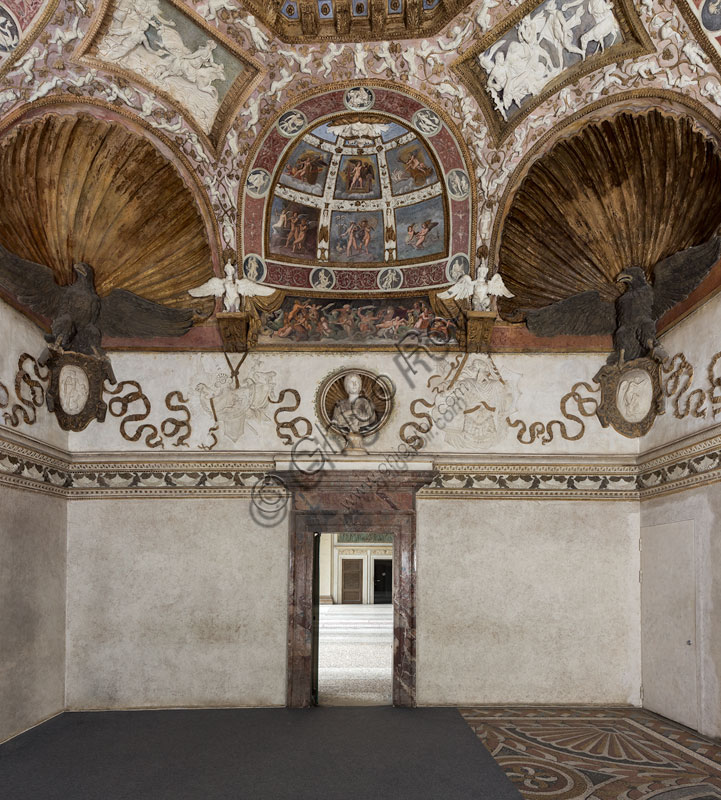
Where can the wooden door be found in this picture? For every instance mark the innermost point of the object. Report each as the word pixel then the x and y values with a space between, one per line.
pixel 352 580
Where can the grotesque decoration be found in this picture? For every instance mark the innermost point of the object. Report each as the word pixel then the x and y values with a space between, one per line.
pixel 632 317
pixel 354 404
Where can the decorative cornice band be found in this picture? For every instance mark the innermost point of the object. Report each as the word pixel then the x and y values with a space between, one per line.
pixel 24 465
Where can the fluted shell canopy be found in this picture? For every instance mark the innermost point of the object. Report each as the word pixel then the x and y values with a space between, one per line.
pixel 626 191
pixel 75 188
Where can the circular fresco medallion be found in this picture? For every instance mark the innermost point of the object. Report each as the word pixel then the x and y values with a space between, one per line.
pixel 254 267
pixel 390 279
pixel 458 266
pixel 359 98
pixel 459 186
pixel 634 395
pixel 354 401
pixel 258 182
pixel 9 33
pixel 291 123
pixel 322 279
pixel 427 122
pixel 73 389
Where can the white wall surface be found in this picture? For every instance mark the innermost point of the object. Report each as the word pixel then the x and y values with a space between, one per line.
pixel 535 385
pixel 528 602
pixel 701 509
pixel 32 609
pixel 698 338
pixel 17 336
pixel 175 603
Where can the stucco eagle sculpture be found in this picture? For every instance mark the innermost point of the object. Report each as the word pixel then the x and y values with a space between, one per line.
pixel 632 317
pixel 79 316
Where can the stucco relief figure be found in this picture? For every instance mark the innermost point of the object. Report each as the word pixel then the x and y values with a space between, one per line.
pixel 542 45
pixel 634 395
pixel 73 389
pixel 231 289
pixel 478 403
pixel 234 407
pixel 480 290
pixel 142 39
pixel 354 413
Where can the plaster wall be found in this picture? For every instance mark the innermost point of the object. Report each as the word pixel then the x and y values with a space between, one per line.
pixel 528 388
pixel 32 608
pixel 700 510
pixel 528 602
pixel 175 603
pixel 697 338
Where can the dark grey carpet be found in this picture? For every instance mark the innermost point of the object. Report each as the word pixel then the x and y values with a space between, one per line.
pixel 264 754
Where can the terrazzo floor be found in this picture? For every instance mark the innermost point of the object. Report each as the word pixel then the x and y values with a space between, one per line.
pixel 355 655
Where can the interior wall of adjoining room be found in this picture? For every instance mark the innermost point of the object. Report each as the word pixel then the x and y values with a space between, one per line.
pixel 32 608
pixel 179 602
pixel 528 601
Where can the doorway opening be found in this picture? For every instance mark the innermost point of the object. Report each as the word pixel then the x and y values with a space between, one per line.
pixel 354 621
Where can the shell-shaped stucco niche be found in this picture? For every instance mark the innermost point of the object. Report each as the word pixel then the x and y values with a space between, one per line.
pixel 630 190
pixel 76 188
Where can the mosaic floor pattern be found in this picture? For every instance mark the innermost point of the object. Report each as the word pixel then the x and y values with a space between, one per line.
pixel 598 754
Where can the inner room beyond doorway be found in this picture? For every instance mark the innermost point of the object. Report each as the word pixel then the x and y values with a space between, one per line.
pixel 355 641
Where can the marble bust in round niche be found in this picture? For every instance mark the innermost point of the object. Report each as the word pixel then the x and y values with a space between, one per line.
pixel 354 403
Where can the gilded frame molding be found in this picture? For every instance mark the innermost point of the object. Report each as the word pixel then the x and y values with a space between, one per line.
pixel 637 42
pixel 238 93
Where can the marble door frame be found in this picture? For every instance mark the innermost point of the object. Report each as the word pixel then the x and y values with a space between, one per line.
pixel 322 504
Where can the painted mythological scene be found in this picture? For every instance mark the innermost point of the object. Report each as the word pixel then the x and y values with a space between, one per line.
pixel 306 169
pixel 161 44
pixel 356 236
pixel 410 168
pixel 358 178
pixel 544 44
pixel 293 229
pixel 353 321
pixel 421 229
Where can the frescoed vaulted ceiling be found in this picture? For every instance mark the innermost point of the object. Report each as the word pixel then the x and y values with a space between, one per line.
pixel 368 152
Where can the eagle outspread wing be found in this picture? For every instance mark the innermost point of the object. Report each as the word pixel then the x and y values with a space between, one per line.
pixel 461 290
pixel 32 284
pixel 584 314
pixel 211 288
pixel 677 276
pixel 124 314
pixel 249 288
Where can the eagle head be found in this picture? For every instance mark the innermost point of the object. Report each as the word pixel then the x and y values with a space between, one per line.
pixel 84 271
pixel 632 278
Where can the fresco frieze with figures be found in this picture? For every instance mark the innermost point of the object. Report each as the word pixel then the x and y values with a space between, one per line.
pixel 364 322
pixel 370 191
pixel 542 47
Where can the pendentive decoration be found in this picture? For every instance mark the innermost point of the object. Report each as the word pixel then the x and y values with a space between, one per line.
pixel 631 396
pixel 354 403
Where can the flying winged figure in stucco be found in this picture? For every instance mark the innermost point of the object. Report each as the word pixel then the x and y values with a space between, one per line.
pixel 632 317
pixel 79 316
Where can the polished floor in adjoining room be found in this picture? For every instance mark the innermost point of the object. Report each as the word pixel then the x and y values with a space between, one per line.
pixel 355 655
